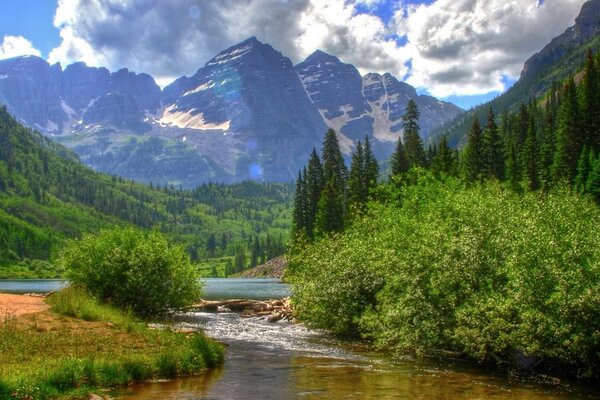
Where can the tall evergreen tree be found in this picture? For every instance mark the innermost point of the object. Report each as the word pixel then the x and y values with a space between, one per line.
pixel 413 145
pixel 547 148
pixel 443 162
pixel 530 157
pixel 356 183
pixel 332 203
pixel 334 167
pixel 593 181
pixel 371 166
pixel 583 170
pixel 568 145
pixel 399 163
pixel 472 157
pixel 314 186
pixel 330 215
pixel 299 213
pixel 591 104
pixel 493 149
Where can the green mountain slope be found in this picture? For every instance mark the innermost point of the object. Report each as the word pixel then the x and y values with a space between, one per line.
pixel 47 195
pixel 562 57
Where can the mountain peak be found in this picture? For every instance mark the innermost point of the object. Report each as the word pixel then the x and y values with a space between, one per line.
pixel 249 45
pixel 321 56
pixel 587 22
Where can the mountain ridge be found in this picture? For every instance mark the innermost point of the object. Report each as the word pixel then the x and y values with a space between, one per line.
pixel 248 113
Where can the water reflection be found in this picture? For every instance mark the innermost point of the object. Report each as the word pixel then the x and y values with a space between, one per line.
pixel 285 361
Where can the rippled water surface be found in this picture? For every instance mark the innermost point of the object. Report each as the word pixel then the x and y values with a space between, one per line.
pixel 287 361
pixel 214 288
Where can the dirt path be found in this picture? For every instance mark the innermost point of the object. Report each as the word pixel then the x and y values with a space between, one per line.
pixel 12 305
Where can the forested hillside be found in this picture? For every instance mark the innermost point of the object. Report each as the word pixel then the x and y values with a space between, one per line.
pixel 47 195
pixel 491 252
pixel 561 58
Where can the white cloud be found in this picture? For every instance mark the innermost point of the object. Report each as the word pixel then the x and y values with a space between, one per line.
pixel 455 46
pixel 13 46
pixel 464 47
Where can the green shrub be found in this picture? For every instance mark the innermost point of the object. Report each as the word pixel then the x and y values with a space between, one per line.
pixel 481 270
pixel 133 270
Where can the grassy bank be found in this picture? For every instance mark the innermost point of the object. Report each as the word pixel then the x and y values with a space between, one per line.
pixel 80 346
pixel 499 276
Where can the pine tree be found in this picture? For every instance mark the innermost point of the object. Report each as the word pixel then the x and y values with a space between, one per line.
pixel 334 167
pixel 399 163
pixel 493 149
pixel 593 181
pixel 568 146
pixel 356 182
pixel 371 167
pixel 330 215
pixel 591 105
pixel 443 162
pixel 530 157
pixel 299 213
pixel 583 170
pixel 314 186
pixel 472 156
pixel 547 149
pixel 413 145
pixel 513 171
pixel 334 171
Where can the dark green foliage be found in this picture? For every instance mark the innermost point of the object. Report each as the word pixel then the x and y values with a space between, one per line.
pixel 371 169
pixel 330 214
pixel 399 162
pixel 299 216
pixel 356 183
pixel 568 143
pixel 473 156
pixel 530 157
pixel 593 180
pixel 363 175
pixel 131 269
pixel 314 186
pixel 591 104
pixel 47 195
pixel 413 145
pixel 444 161
pixel 493 149
pixel 481 270
pixel 334 168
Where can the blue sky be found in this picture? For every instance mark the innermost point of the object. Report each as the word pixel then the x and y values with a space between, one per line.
pixel 464 51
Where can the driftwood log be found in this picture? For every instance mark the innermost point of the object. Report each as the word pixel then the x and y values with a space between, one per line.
pixel 273 310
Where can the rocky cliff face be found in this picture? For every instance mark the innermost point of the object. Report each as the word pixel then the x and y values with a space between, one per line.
pixel 252 92
pixel 371 105
pixel 31 89
pixel 587 25
pixel 248 113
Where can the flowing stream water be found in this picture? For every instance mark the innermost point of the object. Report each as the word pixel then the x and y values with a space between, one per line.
pixel 288 361
pixel 282 361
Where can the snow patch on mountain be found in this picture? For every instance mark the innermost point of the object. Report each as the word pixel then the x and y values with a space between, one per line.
pixel 190 120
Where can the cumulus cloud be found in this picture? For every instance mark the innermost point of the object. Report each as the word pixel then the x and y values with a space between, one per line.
pixel 13 46
pixel 169 39
pixel 453 46
pixel 465 47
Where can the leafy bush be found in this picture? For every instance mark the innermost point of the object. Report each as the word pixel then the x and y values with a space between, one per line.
pixel 482 270
pixel 133 270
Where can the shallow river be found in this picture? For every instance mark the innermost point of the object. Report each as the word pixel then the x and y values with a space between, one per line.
pixel 285 361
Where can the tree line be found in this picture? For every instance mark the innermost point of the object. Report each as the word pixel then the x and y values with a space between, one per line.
pixel 552 142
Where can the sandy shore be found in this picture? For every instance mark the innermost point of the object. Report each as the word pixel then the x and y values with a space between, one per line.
pixel 12 305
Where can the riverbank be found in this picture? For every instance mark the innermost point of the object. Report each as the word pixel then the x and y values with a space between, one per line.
pixel 77 347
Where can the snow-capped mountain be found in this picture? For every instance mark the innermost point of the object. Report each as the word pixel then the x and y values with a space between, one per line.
pixel 248 113
pixel 373 104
